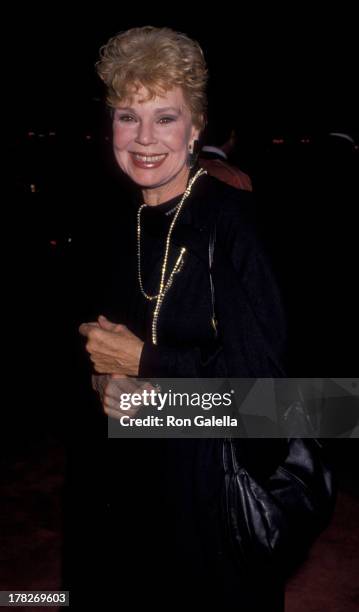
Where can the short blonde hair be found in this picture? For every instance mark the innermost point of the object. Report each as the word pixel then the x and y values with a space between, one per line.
pixel 158 59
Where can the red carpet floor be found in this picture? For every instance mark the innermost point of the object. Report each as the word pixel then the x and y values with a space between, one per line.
pixel 329 580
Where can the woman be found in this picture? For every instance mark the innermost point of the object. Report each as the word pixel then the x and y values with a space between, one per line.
pixel 205 522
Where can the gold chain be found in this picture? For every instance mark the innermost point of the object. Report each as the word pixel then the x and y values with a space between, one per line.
pixel 164 285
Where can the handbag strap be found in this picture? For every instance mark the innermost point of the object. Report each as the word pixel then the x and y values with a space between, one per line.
pixel 211 245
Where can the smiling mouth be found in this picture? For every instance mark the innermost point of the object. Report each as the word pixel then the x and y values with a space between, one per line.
pixel 149 158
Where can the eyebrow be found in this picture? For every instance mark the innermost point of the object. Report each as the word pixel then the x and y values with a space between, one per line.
pixel 165 109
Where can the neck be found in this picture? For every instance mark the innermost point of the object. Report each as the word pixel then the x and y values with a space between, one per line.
pixel 175 187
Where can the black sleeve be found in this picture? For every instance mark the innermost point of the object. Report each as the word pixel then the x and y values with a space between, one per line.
pixel 167 362
pixel 248 302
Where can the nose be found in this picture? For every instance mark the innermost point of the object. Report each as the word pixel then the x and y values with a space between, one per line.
pixel 145 135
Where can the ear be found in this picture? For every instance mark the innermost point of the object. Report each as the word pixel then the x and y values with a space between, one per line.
pixel 195 132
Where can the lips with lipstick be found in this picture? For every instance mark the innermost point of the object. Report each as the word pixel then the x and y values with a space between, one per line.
pixel 148 161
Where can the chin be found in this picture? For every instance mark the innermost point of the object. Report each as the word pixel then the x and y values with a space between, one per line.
pixel 146 183
pixel 151 180
pixel 148 179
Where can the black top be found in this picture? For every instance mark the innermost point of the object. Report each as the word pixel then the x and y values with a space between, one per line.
pixel 185 315
pixel 161 534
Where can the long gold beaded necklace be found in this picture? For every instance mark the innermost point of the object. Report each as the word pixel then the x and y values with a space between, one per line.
pixel 164 285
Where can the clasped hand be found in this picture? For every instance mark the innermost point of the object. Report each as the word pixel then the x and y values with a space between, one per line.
pixel 115 353
pixel 113 349
pixel 116 393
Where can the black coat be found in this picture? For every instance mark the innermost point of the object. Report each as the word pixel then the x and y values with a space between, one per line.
pixel 206 522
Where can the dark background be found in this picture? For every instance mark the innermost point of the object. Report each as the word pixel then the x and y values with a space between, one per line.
pixel 282 68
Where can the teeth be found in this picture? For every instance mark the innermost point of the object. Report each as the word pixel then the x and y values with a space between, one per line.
pixel 148 159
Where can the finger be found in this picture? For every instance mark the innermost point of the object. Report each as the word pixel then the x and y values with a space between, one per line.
pixel 109 369
pixel 104 345
pixel 119 391
pixel 124 406
pixel 102 341
pixel 127 385
pixel 97 357
pixel 97 382
pixel 105 366
pixel 85 328
pixel 108 366
pixel 106 324
pixel 110 326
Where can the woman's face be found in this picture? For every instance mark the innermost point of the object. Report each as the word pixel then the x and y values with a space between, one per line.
pixel 151 138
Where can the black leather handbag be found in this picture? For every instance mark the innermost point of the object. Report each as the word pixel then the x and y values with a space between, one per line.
pixel 273 513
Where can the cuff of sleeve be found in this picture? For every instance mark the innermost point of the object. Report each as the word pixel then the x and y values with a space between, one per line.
pixel 152 362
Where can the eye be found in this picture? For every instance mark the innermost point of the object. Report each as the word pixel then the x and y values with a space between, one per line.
pixel 125 118
pixel 165 120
